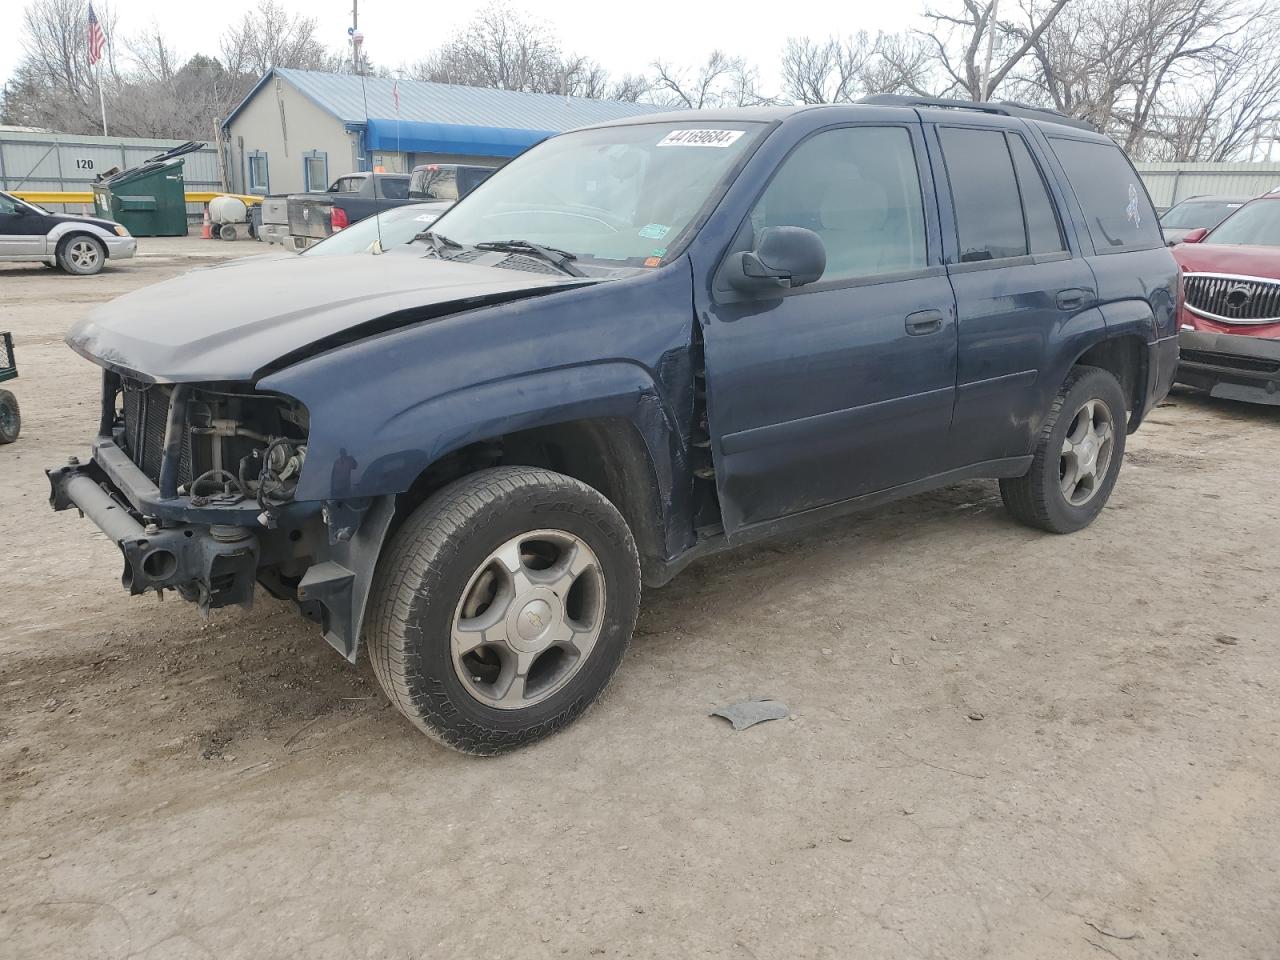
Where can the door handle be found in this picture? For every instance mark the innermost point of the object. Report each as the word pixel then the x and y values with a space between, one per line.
pixel 924 322
pixel 1074 297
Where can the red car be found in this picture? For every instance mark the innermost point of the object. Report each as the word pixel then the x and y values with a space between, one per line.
pixel 1230 318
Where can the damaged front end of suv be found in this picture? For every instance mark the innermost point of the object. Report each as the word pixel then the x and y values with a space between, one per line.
pixel 200 471
pixel 196 484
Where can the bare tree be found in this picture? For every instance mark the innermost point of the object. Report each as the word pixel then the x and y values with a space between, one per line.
pixel 1173 79
pixel 54 85
pixel 826 71
pixel 720 81
pixel 503 49
pixel 267 37
pixel 966 40
pixel 840 69
pixel 153 55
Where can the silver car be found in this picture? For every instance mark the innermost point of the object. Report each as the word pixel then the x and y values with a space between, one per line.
pixel 79 245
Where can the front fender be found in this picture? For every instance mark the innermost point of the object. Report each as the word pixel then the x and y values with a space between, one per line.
pixel 388 455
pixel 385 408
pixel 65 227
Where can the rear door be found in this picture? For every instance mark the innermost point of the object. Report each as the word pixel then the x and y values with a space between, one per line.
pixel 845 386
pixel 1016 283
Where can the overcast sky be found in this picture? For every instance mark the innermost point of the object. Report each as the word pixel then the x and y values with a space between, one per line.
pixel 402 31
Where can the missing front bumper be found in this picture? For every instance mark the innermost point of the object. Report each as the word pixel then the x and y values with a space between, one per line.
pixel 322 556
pixel 214 566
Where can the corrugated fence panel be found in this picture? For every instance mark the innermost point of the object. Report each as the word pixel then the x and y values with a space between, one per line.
pixel 48 161
pixel 1169 183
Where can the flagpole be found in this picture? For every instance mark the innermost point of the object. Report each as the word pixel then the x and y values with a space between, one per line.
pixel 102 100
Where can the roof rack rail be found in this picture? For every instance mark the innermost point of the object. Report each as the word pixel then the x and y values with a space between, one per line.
pixel 1005 108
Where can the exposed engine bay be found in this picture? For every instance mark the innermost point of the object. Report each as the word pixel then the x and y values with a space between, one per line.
pixel 232 444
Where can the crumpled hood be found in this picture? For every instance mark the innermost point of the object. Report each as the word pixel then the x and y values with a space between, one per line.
pixel 1229 258
pixel 229 324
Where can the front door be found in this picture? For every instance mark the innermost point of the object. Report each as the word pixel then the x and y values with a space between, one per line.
pixel 845 386
pixel 22 229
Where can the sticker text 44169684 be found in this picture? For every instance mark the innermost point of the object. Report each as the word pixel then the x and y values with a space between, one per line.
pixel 700 138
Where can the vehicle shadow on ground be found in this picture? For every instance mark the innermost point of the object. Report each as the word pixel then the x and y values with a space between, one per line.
pixel 265 675
pixel 1219 408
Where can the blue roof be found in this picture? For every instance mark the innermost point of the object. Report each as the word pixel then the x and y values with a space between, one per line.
pixel 443 118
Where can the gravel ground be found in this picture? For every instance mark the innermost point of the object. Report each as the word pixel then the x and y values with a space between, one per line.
pixel 1003 743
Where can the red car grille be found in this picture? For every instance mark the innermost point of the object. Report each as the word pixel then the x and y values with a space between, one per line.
pixel 1231 299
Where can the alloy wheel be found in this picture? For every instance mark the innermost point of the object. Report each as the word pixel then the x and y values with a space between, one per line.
pixel 528 619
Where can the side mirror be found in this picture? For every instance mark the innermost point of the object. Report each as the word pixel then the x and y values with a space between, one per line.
pixel 1196 235
pixel 784 257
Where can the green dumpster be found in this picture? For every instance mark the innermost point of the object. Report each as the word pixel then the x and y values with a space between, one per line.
pixel 150 199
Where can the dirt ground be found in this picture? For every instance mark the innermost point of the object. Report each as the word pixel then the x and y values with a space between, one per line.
pixel 1004 743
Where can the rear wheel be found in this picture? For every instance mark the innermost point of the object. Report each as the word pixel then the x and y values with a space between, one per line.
pixel 10 417
pixel 81 255
pixel 502 608
pixel 1077 457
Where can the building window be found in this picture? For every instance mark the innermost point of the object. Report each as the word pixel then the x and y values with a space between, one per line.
pixel 315 171
pixel 259 181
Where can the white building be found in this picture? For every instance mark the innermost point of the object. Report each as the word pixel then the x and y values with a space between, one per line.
pixel 298 130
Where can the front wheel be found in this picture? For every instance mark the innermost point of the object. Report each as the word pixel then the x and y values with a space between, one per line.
pixel 502 608
pixel 1077 457
pixel 82 255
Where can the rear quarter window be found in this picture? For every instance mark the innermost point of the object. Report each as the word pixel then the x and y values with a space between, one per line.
pixel 1117 210
pixel 397 189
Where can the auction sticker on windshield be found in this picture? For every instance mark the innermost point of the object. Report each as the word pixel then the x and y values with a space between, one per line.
pixel 700 138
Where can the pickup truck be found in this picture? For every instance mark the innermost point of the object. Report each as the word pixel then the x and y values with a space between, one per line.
pixel 634 346
pixel 349 199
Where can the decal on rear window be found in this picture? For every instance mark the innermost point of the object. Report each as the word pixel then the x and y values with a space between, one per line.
pixel 1131 211
pixel 700 138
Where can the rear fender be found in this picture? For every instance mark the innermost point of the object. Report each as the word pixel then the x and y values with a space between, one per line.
pixel 1073 338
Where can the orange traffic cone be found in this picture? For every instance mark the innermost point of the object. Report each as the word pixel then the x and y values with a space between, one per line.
pixel 206 231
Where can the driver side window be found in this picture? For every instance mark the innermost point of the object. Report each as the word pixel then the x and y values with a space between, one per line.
pixel 858 188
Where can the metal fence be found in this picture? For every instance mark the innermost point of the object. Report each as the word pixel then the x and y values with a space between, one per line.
pixel 54 161
pixel 1170 182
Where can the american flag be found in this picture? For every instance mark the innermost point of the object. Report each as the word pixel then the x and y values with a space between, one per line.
pixel 97 39
pixel 395 93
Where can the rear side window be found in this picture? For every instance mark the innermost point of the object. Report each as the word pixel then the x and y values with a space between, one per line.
pixel 1116 208
pixel 984 192
pixel 470 178
pixel 434 183
pixel 1044 235
pixel 397 189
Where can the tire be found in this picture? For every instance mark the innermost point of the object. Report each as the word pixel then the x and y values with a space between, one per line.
pixel 10 417
pixel 81 255
pixel 228 231
pixel 448 573
pixel 1057 494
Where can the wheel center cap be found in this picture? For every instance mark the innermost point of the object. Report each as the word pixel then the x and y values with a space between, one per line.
pixel 534 619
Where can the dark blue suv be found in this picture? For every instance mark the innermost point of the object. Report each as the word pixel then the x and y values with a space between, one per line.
pixel 634 345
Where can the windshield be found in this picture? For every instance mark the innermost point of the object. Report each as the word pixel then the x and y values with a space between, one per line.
pixel 1191 214
pixel 620 196
pixel 398 226
pixel 1256 224
pixel 10 204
